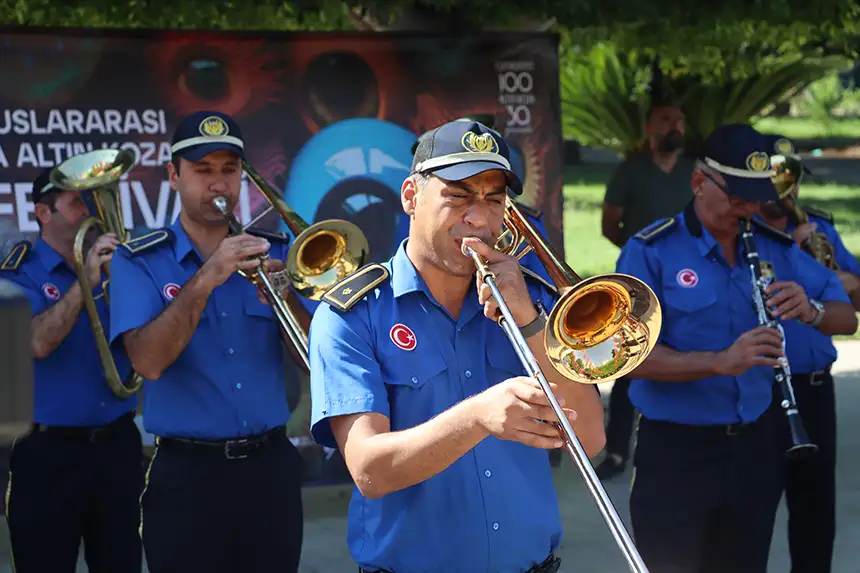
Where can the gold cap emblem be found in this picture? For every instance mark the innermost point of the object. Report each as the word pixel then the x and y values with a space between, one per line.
pixel 758 161
pixel 214 126
pixel 783 146
pixel 483 143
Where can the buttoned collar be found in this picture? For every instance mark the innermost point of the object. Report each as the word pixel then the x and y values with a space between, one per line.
pixel 705 241
pixel 404 276
pixel 49 258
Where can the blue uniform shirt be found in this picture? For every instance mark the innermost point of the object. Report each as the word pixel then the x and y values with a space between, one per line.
pixel 706 306
pixel 808 349
pixel 69 385
pixel 465 518
pixel 229 380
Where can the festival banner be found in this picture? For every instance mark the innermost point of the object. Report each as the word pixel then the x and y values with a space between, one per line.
pixel 328 119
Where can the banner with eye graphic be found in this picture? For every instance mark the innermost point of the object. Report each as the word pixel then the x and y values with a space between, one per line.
pixel 328 119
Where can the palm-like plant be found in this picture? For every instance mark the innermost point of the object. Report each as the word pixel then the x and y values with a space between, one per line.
pixel 605 95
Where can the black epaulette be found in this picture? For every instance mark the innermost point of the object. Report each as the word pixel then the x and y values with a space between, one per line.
pixel 530 211
pixel 348 291
pixel 657 230
pixel 160 237
pixel 773 232
pixel 16 256
pixel 821 214
pixel 531 275
pixel 268 235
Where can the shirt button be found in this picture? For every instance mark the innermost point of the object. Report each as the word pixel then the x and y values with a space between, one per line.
pixel 495 526
pixel 102 404
pixel 467 373
pixel 244 424
pixel 223 315
pixel 414 380
pixel 488 473
pixel 230 351
pixel 239 385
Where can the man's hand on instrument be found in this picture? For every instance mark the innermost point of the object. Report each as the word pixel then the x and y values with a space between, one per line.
pixel 803 232
pixel 515 410
pixel 100 254
pixel 757 347
pixel 789 301
pixel 509 279
pixel 234 253
pixel 271 266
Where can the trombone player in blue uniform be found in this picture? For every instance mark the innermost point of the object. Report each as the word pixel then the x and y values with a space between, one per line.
pixel 810 486
pixel 425 396
pixel 77 475
pixel 195 306
pixel 708 482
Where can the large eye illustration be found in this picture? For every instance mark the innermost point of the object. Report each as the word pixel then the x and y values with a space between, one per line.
pixel 234 75
pixel 353 170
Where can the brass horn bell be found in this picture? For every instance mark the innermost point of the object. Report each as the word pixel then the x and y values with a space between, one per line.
pixel 602 327
pixel 96 175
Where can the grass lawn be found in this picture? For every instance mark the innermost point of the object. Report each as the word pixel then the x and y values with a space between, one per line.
pixel 588 253
pixel 807 128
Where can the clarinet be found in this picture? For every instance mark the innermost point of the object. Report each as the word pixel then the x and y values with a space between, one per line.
pixel 801 446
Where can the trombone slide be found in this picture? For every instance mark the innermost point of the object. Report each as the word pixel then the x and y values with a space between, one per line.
pixel 572 445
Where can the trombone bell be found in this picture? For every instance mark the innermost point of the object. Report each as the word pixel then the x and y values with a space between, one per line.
pixel 323 254
pixel 602 327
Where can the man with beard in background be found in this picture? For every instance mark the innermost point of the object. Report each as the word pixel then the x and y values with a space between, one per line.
pixel 647 186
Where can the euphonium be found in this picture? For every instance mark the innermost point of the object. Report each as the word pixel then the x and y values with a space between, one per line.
pixel 96 175
pixel 789 172
pixel 602 327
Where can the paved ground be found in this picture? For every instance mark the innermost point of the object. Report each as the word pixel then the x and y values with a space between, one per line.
pixel 588 546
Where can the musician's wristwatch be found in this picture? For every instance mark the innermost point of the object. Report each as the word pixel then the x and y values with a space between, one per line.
pixel 537 325
pixel 819 312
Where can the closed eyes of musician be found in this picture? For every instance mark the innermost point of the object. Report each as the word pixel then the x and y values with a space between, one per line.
pixel 707 484
pixel 212 351
pixel 424 394
pixel 77 474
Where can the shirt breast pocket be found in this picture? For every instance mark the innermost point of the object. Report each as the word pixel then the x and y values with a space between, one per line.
pixel 418 387
pixel 688 315
pixel 502 359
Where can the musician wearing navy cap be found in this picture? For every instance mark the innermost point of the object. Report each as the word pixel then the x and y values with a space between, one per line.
pixel 420 389
pixel 77 475
pixel 810 487
pixel 707 481
pixel 223 490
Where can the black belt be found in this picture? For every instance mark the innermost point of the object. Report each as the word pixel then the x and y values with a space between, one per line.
pixel 816 378
pixel 231 449
pixel 88 433
pixel 712 429
pixel 550 565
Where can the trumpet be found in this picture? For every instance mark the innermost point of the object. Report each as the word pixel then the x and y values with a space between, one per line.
pixel 789 172
pixel 96 175
pixel 599 330
pixel 320 255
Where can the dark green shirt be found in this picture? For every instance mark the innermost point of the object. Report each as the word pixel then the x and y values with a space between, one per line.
pixel 647 193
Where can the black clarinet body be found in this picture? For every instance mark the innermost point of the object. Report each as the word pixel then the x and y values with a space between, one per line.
pixel 801 446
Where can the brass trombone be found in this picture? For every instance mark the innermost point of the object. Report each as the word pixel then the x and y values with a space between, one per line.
pixel 599 330
pixel 96 175
pixel 320 255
